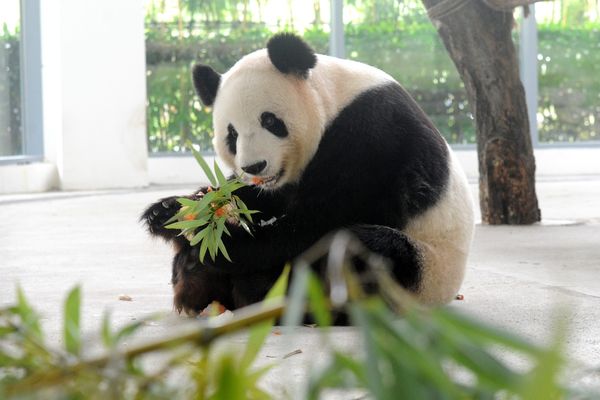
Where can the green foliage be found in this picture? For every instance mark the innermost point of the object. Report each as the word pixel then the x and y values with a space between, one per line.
pixel 394 36
pixel 429 353
pixel 203 221
pixel 30 369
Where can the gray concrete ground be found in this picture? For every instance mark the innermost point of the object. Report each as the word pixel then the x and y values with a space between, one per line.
pixel 517 276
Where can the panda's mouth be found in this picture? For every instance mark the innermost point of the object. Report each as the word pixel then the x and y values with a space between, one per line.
pixel 267 181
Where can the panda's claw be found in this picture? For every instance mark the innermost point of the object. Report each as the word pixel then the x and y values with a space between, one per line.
pixel 157 214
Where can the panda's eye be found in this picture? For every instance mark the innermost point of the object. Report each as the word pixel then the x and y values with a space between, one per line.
pixel 231 131
pixel 268 120
pixel 276 126
pixel 231 139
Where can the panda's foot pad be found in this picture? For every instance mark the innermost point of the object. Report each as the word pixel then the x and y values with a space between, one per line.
pixel 159 213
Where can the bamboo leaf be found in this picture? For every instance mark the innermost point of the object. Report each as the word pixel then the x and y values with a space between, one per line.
pixel 484 334
pixel 259 332
pixel 107 337
pixel 221 246
pixel 199 237
pixel 220 176
pixel 231 187
pixel 72 327
pixel 130 329
pixel 184 201
pixel 203 164
pixel 30 318
pixel 204 246
pixel 318 303
pixel 196 223
pixel 210 239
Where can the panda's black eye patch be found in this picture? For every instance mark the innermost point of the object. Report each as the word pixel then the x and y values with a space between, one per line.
pixel 231 139
pixel 276 126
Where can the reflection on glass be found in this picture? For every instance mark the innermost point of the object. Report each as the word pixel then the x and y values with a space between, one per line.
pixel 398 37
pixel 568 60
pixel 11 138
pixel 218 33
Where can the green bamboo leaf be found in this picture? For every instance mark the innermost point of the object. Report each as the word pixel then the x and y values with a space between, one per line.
pixel 199 237
pixel 72 327
pixel 226 231
pixel 220 176
pixel 210 239
pixel 203 164
pixel 244 208
pixel 333 376
pixel 107 337
pixel 245 226
pixel 203 206
pixel 221 246
pixel 231 187
pixel 184 201
pixel 259 332
pixel 29 317
pixel 196 223
pixel 131 328
pixel 484 334
pixel 203 246
pixel 318 302
pixel 297 295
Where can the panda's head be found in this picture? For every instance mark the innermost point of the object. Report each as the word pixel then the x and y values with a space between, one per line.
pixel 267 117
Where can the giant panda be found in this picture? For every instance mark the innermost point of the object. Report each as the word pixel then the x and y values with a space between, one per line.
pixel 337 144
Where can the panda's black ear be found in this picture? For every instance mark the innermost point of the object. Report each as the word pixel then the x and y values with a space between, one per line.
pixel 291 55
pixel 206 81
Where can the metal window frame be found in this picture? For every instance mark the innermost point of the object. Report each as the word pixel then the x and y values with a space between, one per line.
pixel 31 85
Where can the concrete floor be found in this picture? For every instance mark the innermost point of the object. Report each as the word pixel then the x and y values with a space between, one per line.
pixel 517 276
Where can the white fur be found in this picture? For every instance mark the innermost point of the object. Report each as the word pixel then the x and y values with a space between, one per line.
pixel 253 85
pixel 443 235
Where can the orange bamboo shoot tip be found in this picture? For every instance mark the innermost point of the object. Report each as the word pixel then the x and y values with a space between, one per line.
pixel 189 217
pixel 219 212
pixel 213 309
pixel 209 189
pixel 256 180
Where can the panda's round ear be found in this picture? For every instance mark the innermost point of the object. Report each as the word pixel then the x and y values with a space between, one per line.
pixel 206 81
pixel 291 55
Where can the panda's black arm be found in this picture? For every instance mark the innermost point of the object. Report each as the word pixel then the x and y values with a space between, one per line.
pixel 308 219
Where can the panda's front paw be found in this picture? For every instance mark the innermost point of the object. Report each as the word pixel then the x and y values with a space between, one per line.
pixel 158 214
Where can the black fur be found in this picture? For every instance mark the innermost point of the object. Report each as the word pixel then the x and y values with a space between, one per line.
pixel 231 139
pixel 291 55
pixel 275 125
pixel 206 81
pixel 380 163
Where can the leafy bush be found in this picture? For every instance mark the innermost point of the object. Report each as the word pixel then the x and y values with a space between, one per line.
pixel 429 353
pixel 405 45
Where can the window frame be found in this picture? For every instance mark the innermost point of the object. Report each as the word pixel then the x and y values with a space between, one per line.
pixel 31 86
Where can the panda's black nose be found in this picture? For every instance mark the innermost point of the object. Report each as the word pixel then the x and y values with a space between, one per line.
pixel 255 168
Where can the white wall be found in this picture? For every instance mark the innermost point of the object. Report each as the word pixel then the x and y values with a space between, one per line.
pixel 94 97
pixel 103 94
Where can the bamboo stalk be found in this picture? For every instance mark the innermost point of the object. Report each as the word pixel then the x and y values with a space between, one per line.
pixel 200 334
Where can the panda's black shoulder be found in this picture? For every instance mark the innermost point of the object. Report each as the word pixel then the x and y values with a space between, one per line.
pixel 382 139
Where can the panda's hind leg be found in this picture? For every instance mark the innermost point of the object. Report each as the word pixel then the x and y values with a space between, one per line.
pixel 397 247
pixel 195 286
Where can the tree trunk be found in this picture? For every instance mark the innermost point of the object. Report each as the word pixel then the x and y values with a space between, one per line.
pixel 478 39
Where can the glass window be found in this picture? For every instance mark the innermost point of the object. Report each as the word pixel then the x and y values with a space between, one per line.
pixel 569 81
pixel 218 33
pixel 11 132
pixel 398 37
